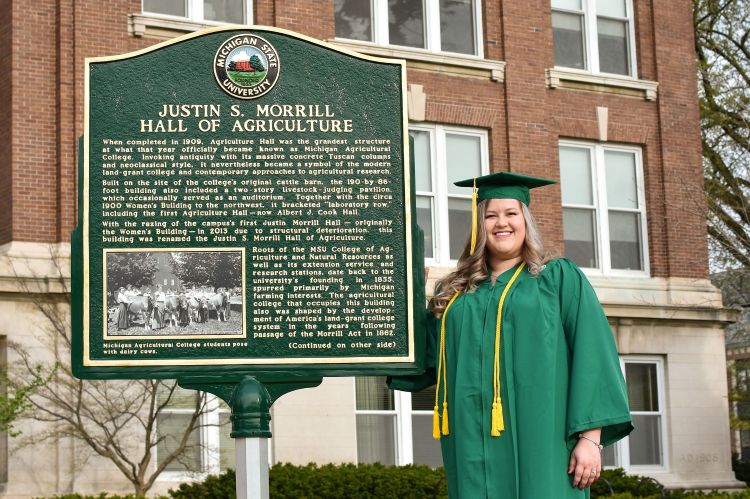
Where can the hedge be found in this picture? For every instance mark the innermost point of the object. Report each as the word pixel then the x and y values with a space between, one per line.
pixel 369 481
pixel 375 481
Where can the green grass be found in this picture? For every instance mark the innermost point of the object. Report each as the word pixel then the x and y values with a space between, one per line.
pixel 244 79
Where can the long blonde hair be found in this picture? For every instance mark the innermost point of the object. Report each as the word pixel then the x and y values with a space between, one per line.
pixel 472 269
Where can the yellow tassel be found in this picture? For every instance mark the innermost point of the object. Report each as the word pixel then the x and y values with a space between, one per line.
pixel 500 423
pixel 495 431
pixel 473 218
pixel 445 418
pixel 435 424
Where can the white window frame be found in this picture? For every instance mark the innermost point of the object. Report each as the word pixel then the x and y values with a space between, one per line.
pixel 195 13
pixel 380 35
pixel 210 451
pixel 622 448
pixel 591 42
pixel 395 412
pixel 439 175
pixel 402 420
pixel 601 207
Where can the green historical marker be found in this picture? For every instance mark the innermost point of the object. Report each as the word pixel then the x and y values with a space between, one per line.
pixel 246 208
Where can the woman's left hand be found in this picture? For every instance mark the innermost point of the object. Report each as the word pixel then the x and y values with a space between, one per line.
pixel 585 463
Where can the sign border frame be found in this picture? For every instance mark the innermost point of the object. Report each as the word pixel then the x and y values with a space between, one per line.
pixel 345 366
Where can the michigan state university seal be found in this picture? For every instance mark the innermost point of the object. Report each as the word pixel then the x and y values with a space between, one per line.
pixel 246 66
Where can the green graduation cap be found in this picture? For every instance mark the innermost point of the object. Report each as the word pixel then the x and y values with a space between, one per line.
pixel 505 185
pixel 502 185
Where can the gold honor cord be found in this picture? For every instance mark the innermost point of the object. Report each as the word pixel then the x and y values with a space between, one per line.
pixel 497 407
pixel 498 425
pixel 442 373
pixel 473 218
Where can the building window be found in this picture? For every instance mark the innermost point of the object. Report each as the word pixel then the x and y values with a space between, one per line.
pixel 740 395
pixel 434 25
pixel 442 156
pixel 604 216
pixel 376 421
pixel 218 11
pixel 594 35
pixel 394 428
pixel 644 448
pixel 209 448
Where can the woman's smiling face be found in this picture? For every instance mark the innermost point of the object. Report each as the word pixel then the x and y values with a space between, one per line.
pixel 505 228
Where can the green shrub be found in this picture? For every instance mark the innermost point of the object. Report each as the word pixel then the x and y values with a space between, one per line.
pixel 620 483
pixel 213 487
pixel 375 481
pixel 344 481
pixel 363 481
pixel 102 495
pixel 691 494
pixel 741 469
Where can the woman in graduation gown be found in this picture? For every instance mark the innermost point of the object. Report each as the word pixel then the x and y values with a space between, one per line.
pixel 529 385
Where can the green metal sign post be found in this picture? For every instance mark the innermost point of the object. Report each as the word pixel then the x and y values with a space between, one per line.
pixel 247 219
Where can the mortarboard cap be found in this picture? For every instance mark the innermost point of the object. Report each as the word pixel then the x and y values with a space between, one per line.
pixel 502 185
pixel 505 185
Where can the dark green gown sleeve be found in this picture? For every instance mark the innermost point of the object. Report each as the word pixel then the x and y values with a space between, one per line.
pixel 597 397
pixel 418 382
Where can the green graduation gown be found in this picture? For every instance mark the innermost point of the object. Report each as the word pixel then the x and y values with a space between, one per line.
pixel 560 375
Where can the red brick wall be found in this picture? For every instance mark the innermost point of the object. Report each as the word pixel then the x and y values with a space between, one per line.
pixel 44 107
pixel 532 142
pixel 6 120
pixel 34 128
pixel 309 17
pixel 66 139
pixel 526 121
pixel 492 29
pixel 524 118
pixel 644 42
pixel 679 128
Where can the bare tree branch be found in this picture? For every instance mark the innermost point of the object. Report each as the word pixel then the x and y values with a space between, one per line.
pixel 116 420
pixel 722 33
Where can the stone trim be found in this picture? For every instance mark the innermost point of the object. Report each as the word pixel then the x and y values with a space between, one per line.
pixel 163 28
pixel 34 267
pixel 674 291
pixel 738 353
pixel 679 481
pixel 717 316
pixel 416 101
pixel 620 85
pixel 424 60
pixel 656 298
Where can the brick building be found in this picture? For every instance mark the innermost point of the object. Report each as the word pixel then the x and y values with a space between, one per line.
pixel 599 95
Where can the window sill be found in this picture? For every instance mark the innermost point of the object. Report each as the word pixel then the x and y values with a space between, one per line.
pixel 183 476
pixel 612 84
pixel 164 28
pixel 668 298
pixel 438 62
pixel 27 267
pixel 660 298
